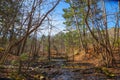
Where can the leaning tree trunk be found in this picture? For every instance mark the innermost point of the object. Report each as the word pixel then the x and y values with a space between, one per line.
pixel 106 46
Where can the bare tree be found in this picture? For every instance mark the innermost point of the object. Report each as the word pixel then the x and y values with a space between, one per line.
pixel 31 24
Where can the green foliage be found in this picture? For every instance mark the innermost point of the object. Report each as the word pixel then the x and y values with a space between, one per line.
pixel 8 9
pixel 15 62
pixel 105 71
pixel 1 49
pixel 116 43
pixel 76 8
pixel 68 15
pixel 24 57
pixel 9 17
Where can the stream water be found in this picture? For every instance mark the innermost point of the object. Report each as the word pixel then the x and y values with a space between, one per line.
pixel 66 75
pixel 80 74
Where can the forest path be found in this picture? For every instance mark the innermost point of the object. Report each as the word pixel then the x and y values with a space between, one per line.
pixel 60 69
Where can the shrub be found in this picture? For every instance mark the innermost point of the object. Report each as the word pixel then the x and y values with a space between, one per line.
pixel 24 57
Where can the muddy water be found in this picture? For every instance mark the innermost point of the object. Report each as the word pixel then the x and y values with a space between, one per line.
pixel 66 75
pixel 86 71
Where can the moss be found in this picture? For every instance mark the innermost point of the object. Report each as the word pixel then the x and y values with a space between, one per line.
pixel 107 72
pixel 2 49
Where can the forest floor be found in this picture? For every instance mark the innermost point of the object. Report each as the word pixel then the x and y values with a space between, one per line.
pixel 83 68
